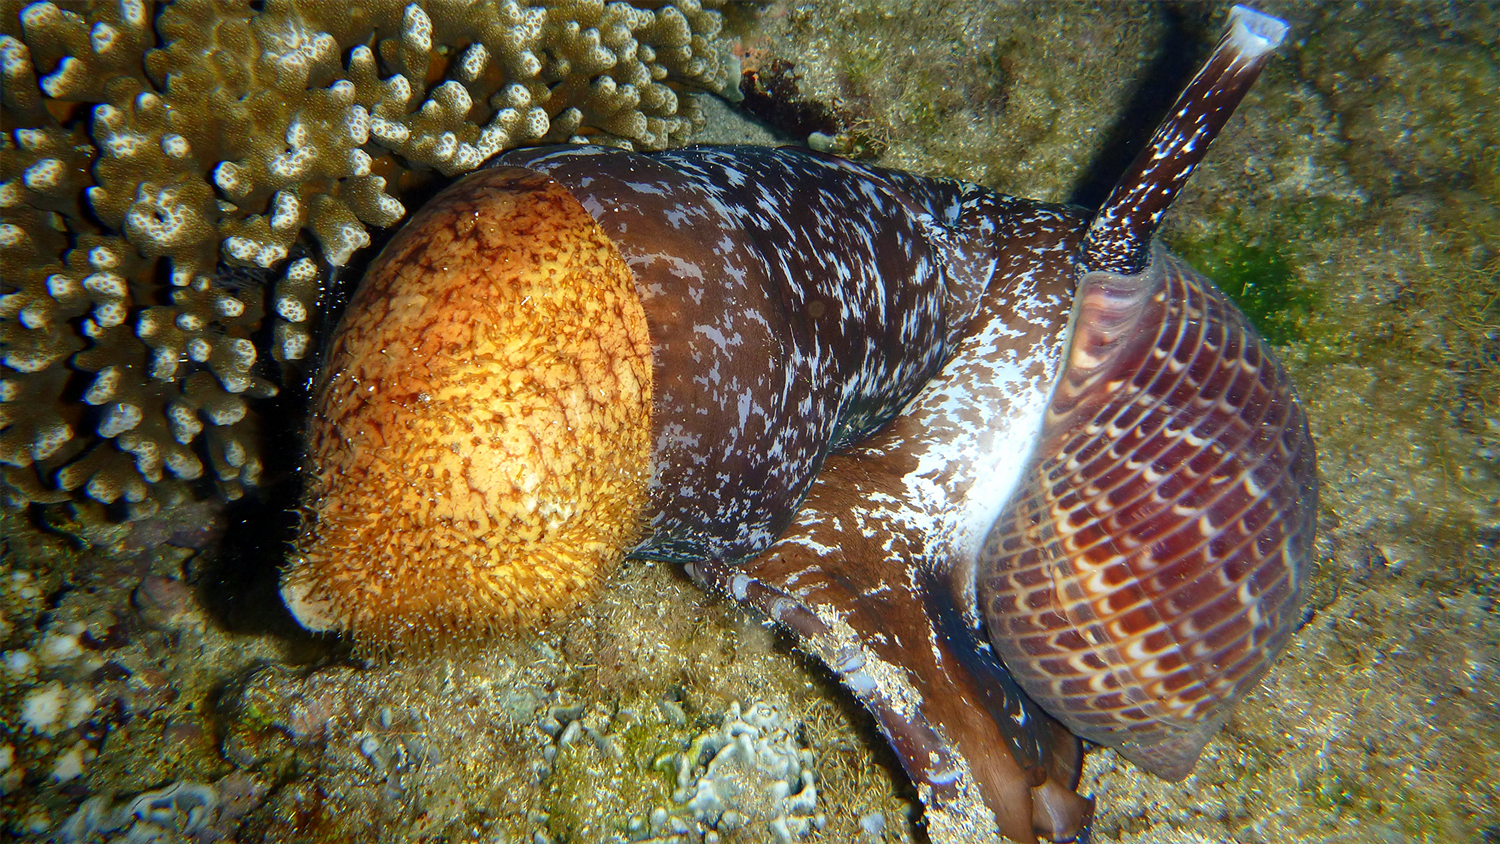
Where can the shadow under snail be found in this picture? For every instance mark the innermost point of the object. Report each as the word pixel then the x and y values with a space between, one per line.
pixel 1016 474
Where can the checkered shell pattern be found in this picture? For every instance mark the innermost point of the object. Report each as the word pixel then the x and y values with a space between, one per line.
pixel 1152 567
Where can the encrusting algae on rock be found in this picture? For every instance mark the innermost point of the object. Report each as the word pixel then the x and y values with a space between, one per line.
pixel 171 172
pixel 481 442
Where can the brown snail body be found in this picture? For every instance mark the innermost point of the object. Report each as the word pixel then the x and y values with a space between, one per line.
pixel 761 361
pixel 919 424
pixel 1110 486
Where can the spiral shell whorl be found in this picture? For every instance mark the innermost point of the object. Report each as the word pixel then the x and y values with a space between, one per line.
pixel 1152 567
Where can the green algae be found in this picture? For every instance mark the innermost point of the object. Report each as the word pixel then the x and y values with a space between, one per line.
pixel 1381 803
pixel 1261 282
pixel 603 785
pixel 1257 262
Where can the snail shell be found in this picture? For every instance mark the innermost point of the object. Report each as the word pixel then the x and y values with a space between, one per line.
pixel 1150 567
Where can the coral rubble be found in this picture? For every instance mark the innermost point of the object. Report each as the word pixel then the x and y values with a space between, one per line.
pixel 184 810
pixel 751 774
pixel 162 164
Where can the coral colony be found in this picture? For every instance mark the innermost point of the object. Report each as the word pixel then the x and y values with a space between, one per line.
pixel 171 177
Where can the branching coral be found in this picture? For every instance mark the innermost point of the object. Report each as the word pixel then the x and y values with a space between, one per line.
pixel 159 163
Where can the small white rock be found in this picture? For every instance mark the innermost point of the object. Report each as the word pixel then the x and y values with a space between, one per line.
pixel 42 709
pixel 19 663
pixel 36 822
pixel 70 762
pixel 80 707
pixel 58 648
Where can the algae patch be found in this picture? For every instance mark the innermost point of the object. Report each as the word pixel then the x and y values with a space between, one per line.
pixel 1260 280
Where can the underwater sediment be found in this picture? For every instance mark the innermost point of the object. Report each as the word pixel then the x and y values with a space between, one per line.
pixel 1353 200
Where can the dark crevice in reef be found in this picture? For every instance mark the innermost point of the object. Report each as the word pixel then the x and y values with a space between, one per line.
pixel 239 579
pixel 1183 47
pixel 772 95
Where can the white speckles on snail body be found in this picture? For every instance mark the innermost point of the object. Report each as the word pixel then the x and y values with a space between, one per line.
pixel 834 296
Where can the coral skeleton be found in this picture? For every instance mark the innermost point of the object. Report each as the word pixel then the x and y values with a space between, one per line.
pixel 174 175
pixel 174 813
pixel 751 776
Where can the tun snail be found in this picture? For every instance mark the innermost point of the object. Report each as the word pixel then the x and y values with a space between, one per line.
pixel 1015 473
